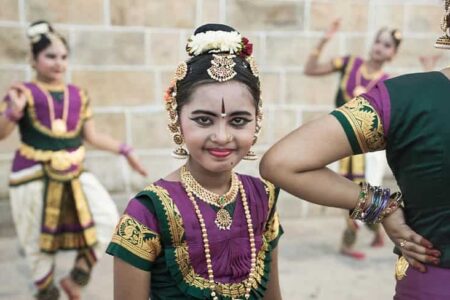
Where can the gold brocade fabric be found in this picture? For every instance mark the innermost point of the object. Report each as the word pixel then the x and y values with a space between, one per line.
pixel 234 290
pixel 66 207
pixel 366 124
pixel 137 238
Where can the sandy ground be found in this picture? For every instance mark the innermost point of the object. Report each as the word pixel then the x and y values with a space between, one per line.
pixel 309 265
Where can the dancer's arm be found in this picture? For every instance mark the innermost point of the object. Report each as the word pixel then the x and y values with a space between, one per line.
pixel 312 66
pixel 130 283
pixel 297 164
pixel 105 142
pixel 273 287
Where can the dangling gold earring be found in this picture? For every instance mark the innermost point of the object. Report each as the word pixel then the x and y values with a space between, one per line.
pixel 179 152
pixel 251 155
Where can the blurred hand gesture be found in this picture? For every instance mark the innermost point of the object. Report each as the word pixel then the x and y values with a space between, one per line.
pixel 134 163
pixel 334 27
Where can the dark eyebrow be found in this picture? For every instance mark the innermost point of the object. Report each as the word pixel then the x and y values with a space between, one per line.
pixel 210 113
pixel 204 112
pixel 240 113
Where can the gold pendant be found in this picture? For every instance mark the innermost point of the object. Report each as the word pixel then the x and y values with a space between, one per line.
pixel 223 219
pixel 59 127
pixel 359 90
pixel 401 267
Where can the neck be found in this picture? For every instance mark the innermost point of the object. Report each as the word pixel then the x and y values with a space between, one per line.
pixel 48 81
pixel 374 66
pixel 217 182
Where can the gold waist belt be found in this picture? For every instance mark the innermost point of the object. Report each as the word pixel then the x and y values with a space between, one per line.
pixel 60 160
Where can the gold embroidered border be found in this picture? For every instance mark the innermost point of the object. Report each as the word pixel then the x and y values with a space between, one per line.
pixel 31 109
pixel 338 63
pixel 49 242
pixel 52 208
pixel 273 225
pixel 182 252
pixel 137 238
pixel 366 124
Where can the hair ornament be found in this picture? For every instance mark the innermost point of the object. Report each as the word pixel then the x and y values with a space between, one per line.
pixel 35 32
pixel 219 42
pixel 222 67
pixel 253 66
pixel 181 71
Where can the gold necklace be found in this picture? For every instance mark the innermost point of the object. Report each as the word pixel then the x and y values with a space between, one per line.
pixel 251 275
pixel 223 218
pixel 361 89
pixel 58 126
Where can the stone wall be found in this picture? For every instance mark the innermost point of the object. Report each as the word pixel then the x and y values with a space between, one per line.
pixel 125 51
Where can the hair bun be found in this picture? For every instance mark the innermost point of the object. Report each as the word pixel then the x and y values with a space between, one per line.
pixel 37 29
pixel 214 27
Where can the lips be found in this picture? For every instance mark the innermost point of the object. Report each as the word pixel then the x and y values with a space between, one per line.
pixel 220 152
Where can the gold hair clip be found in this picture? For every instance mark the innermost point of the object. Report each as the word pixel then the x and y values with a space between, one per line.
pixel 222 67
pixel 181 71
pixel 253 66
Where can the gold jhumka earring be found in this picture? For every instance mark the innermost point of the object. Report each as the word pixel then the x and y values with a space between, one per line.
pixel 259 114
pixel 171 107
pixel 443 42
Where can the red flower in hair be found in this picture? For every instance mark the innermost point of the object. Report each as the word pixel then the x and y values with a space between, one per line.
pixel 247 48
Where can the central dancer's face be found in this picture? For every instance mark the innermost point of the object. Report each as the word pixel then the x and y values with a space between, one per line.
pixel 218 124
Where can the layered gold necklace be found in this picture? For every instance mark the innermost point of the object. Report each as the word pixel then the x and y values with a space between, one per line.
pixel 58 126
pixel 251 275
pixel 223 218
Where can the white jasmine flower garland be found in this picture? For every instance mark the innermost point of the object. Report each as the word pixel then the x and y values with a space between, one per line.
pixel 213 42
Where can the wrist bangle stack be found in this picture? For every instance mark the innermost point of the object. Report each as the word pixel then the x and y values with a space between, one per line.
pixel 375 203
pixel 125 149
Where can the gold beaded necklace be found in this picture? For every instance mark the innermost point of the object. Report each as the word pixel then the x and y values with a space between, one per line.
pixel 212 284
pixel 223 218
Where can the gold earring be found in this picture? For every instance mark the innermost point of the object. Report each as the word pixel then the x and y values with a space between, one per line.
pixel 179 152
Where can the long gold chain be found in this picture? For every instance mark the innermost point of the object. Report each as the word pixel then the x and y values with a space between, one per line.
pixel 212 284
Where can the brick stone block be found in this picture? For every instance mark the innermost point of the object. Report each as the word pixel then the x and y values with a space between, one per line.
pixel 210 12
pixel 108 48
pixel 385 14
pixel 411 49
pixel 108 169
pixel 157 166
pixel 149 131
pixel 153 13
pixel 9 144
pixel 13 46
pixel 358 45
pixel 5 167
pixel 284 122
pixel 111 124
pixel 165 48
pixel 423 18
pixel 7 77
pixel 293 50
pixel 308 116
pixel 9 10
pixel 262 15
pixel 354 14
pixel 123 88
pixel 271 87
pixel 302 89
pixel 65 11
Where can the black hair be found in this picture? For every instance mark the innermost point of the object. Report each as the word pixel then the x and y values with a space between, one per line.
pixel 42 41
pixel 197 73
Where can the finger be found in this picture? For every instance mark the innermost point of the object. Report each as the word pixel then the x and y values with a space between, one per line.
pixel 418 239
pixel 414 246
pixel 415 264
pixel 423 258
